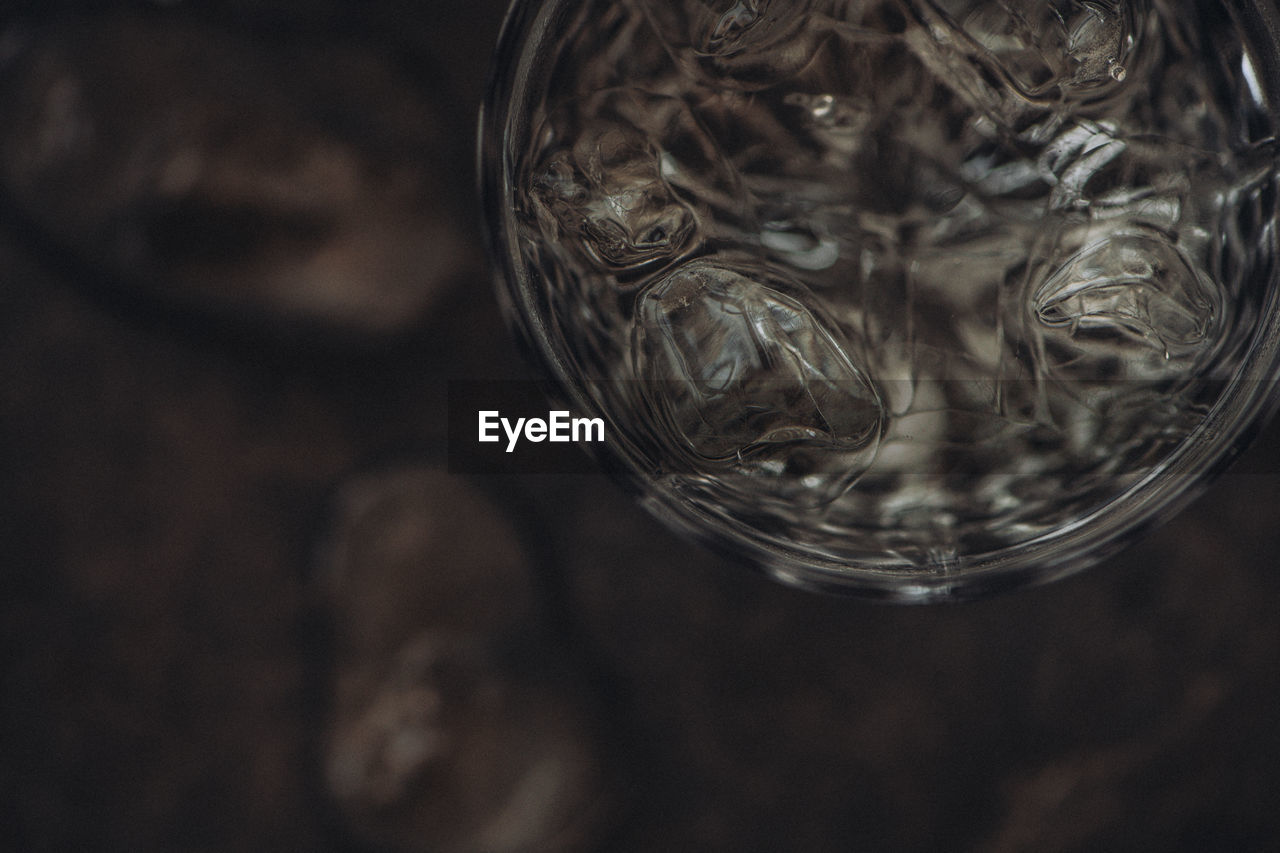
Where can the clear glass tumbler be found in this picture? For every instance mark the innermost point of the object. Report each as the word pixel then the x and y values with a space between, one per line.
pixel 912 299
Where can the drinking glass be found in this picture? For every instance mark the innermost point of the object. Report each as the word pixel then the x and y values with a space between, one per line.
pixel 909 299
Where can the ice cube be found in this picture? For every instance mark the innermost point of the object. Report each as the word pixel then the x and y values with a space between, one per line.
pixel 1014 57
pixel 1099 35
pixel 607 197
pixel 752 385
pixel 1129 303
pixel 635 184
pixel 748 44
pixel 1077 157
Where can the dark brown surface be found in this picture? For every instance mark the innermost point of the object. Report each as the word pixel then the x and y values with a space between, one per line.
pixel 171 463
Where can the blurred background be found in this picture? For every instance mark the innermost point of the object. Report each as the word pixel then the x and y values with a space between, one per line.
pixel 245 606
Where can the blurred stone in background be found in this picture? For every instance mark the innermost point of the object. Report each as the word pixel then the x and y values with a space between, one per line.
pixel 173 503
pixel 260 173
pixel 456 723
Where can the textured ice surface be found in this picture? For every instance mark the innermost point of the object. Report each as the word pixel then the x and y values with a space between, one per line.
pixel 629 181
pixel 748 379
pixel 1131 288
pixel 740 43
pixel 608 195
pixel 1010 58
pixel 1040 46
